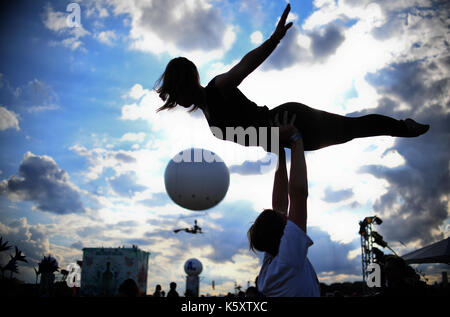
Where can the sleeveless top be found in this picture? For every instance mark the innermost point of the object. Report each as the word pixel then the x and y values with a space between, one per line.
pixel 234 110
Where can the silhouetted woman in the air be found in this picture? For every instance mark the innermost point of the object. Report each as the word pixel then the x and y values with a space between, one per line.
pixel 224 105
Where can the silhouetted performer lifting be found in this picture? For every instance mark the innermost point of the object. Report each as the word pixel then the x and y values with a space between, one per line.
pixel 282 235
pixel 224 105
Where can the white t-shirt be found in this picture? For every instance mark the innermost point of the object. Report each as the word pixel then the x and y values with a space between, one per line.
pixel 289 273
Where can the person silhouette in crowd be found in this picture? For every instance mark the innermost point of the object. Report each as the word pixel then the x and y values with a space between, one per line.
pixel 173 290
pixel 128 288
pixel 157 292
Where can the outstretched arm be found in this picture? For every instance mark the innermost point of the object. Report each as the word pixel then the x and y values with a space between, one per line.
pixel 254 58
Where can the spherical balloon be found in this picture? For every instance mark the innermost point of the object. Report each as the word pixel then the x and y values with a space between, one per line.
pixel 196 179
pixel 193 267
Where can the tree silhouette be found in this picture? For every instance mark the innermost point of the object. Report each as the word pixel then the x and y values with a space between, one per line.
pixel 19 256
pixel 11 266
pixel 48 265
pixel 47 268
pixel 4 246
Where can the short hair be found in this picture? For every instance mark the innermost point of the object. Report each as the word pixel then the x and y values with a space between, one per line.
pixel 265 233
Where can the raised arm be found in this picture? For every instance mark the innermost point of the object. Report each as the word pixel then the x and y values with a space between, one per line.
pixel 254 58
pixel 280 199
pixel 298 181
pixel 298 184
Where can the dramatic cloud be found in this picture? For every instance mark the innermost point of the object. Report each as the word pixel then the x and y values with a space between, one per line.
pixel 32 240
pixel 310 46
pixel 288 52
pixel 334 196
pixel 194 27
pixel 389 57
pixel 232 236
pixel 42 182
pixel 416 83
pixel 325 41
pixel 416 204
pixel 8 119
pixel 327 255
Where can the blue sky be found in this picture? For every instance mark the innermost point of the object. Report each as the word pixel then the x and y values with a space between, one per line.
pixel 83 151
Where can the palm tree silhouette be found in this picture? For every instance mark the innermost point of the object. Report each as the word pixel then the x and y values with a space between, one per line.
pixel 12 263
pixel 47 268
pixel 4 246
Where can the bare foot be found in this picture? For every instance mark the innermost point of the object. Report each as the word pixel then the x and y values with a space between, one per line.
pixel 415 129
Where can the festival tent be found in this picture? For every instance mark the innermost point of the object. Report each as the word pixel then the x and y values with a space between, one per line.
pixel 438 252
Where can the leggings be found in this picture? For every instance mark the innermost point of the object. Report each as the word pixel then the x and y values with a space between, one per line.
pixel 320 128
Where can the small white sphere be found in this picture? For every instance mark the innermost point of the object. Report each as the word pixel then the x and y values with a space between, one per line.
pixel 196 179
pixel 193 267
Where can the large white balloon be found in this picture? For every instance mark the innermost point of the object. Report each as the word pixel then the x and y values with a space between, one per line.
pixel 193 267
pixel 196 179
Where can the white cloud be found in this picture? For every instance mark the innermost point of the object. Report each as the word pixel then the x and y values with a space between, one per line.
pixel 57 22
pixel 107 37
pixel 96 9
pixel 133 137
pixel 256 37
pixel 8 119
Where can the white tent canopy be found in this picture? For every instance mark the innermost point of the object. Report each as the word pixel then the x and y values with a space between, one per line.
pixel 438 252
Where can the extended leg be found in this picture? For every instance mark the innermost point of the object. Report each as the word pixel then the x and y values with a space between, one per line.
pixel 321 128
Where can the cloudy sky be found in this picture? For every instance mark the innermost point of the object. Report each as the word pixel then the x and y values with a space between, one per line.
pixel 83 151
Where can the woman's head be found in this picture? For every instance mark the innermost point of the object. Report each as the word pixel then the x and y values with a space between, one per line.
pixel 266 232
pixel 179 84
